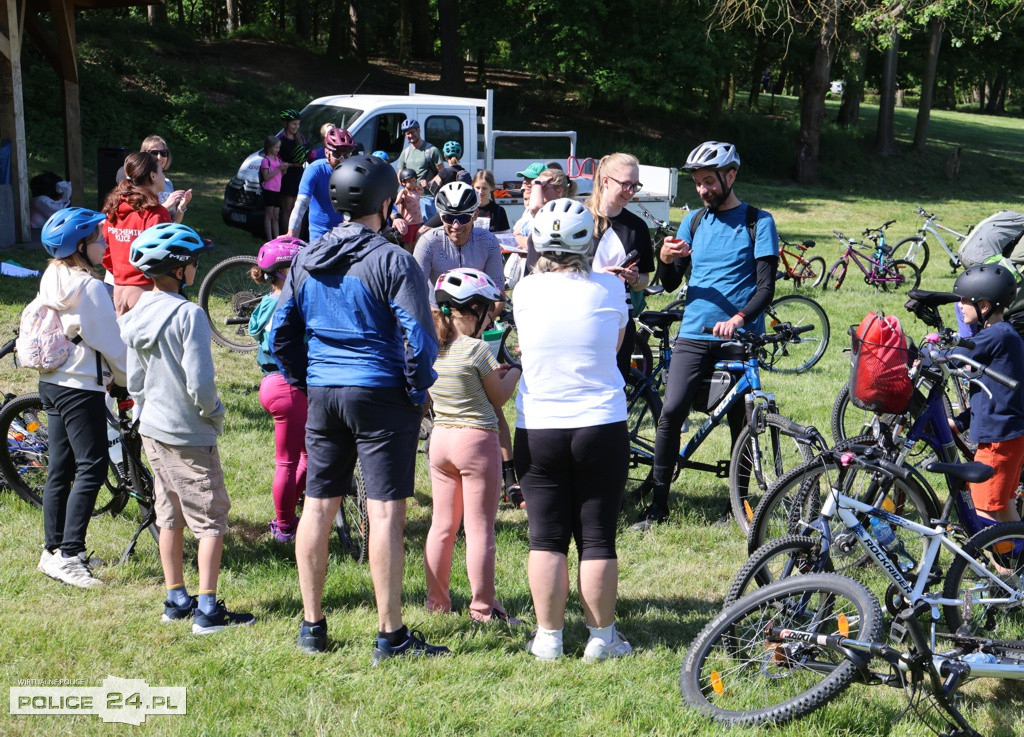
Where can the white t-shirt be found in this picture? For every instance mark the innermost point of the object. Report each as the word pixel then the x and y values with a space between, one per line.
pixel 609 251
pixel 568 330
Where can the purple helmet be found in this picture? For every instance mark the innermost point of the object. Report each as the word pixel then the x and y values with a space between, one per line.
pixel 278 252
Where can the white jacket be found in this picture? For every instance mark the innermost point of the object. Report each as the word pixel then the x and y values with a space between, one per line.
pixel 86 310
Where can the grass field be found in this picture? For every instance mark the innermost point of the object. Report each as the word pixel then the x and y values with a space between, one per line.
pixel 256 682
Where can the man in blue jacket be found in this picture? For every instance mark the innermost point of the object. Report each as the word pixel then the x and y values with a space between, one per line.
pixel 354 330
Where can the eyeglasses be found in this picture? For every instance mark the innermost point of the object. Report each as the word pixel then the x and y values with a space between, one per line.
pixel 461 219
pixel 628 186
pixel 160 152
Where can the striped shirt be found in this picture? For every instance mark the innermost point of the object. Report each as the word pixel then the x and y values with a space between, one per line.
pixel 458 394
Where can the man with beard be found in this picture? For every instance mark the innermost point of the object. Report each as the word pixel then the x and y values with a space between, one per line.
pixel 733 250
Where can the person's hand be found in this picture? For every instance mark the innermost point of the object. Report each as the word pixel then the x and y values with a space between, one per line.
pixel 186 198
pixel 629 274
pixel 118 392
pixel 727 328
pixel 673 248
pixel 400 225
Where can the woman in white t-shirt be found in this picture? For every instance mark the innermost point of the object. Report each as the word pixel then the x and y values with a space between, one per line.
pixel 571 444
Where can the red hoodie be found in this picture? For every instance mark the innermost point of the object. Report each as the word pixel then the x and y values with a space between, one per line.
pixel 120 235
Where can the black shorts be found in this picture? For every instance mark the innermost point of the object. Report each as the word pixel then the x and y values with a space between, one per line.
pixel 271 198
pixel 378 425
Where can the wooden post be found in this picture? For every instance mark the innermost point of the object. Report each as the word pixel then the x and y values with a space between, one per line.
pixel 64 28
pixel 12 111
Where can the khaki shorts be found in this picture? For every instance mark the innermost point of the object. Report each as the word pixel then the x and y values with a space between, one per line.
pixel 188 487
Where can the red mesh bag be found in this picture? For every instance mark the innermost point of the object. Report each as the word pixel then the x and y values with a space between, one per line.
pixel 880 377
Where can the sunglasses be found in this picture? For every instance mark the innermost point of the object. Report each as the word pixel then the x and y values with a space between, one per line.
pixel 160 152
pixel 462 219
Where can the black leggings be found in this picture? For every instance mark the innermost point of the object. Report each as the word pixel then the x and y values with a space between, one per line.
pixel 692 361
pixel 573 481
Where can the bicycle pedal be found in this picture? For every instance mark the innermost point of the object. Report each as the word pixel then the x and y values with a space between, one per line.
pixel 966 608
pixel 722 469
pixel 898 632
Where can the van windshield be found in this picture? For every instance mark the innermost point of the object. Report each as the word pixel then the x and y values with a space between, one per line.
pixel 314 116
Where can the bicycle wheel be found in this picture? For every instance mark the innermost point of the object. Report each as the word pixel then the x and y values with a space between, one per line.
pixel 351 521
pixel 643 405
pixel 228 296
pixel 809 273
pixel 676 305
pixel 23 458
pixel 508 351
pixel 804 350
pixel 849 421
pixel 642 358
pixel 779 450
pixel 778 559
pixel 736 673
pixel 983 609
pixel 913 249
pixel 835 276
pixel 899 276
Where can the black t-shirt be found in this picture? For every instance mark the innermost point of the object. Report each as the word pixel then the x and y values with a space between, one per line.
pixel 635 235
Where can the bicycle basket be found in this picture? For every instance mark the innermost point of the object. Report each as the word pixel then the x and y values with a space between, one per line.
pixel 879 375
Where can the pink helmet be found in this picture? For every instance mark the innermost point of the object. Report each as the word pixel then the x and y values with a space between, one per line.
pixel 337 139
pixel 278 252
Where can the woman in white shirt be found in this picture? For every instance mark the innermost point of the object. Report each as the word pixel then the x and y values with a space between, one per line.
pixel 571 445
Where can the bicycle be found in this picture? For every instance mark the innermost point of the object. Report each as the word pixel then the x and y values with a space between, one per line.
pixel 732 382
pixel 916 246
pixel 880 271
pixel 805 272
pixel 805 340
pixel 228 296
pixel 351 521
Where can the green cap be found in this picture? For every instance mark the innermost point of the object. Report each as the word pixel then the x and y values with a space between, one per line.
pixel 532 171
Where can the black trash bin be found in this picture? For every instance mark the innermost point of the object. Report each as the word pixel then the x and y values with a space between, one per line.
pixel 108 161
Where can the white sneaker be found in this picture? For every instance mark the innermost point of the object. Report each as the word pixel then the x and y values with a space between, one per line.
pixel 75 572
pixel 48 562
pixel 544 647
pixel 598 649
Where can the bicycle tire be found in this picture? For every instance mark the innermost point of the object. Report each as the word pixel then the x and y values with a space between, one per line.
pixel 914 249
pixel 352 522
pixel 778 448
pixel 24 455
pixel 910 274
pixel 643 406
pixel 676 305
pixel 847 420
pixel 805 350
pixel 734 674
pixel 776 560
pixel 836 275
pixel 229 293
pixel 809 273
pixel 999 545
pixel 508 351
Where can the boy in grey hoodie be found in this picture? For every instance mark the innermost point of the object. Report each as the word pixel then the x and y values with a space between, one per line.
pixel 170 376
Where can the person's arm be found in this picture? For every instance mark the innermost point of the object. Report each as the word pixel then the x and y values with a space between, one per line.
pixel 298 212
pixel 98 328
pixel 411 307
pixel 288 333
pixel 500 385
pixel 197 365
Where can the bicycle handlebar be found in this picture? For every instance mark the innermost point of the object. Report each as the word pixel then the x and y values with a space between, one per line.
pixel 7 348
pixel 748 339
pixel 930 216
pixel 938 356
pixel 869 231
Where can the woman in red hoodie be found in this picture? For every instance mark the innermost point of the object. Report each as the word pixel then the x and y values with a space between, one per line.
pixel 130 208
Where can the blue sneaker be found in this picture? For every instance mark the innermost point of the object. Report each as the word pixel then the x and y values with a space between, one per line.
pixel 173 612
pixel 414 645
pixel 313 639
pixel 219 619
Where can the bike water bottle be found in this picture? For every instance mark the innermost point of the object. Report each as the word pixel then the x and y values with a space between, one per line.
pixel 886 537
pixel 981 658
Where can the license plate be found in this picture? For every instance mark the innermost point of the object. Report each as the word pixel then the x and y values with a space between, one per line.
pixel 238 217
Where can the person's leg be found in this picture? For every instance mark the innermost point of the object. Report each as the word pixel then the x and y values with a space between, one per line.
pixel 287 203
pixel 994 499
pixel 479 460
pixel 288 407
pixel 275 222
pixel 84 415
pixel 171 556
pixel 446 514
pixel 387 559
pixel 169 516
pixel 311 552
pixel 269 215
pixel 210 551
pixel 548 573
pixel 60 470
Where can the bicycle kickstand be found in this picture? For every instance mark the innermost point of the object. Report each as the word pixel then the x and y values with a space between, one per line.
pixel 149 519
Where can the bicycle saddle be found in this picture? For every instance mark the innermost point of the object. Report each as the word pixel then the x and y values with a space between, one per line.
pixel 973 472
pixel 655 320
pixel 932 299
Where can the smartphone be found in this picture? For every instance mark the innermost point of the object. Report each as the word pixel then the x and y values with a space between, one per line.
pixel 631 258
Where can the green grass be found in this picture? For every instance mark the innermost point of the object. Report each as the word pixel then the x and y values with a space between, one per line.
pixel 255 682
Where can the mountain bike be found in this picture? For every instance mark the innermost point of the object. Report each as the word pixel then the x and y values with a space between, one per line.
pixel 229 296
pixel 769 443
pixel 351 521
pixel 915 248
pixel 805 272
pixel 879 269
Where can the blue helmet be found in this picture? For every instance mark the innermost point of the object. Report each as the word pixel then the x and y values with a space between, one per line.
pixel 165 247
pixel 65 228
pixel 381 155
pixel 452 148
pixel 410 123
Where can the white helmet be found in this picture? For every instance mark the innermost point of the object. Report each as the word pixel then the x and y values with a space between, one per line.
pixel 456 198
pixel 563 226
pixel 463 287
pixel 714 155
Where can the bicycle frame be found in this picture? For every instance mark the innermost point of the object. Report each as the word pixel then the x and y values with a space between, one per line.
pixel 933 227
pixel 859 258
pixel 785 256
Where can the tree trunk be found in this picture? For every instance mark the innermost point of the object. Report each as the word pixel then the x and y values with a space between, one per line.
pixel 232 8
pixel 302 25
pixel 996 93
pixel 756 70
pixel 885 135
pixel 982 87
pixel 422 37
pixel 812 100
pixel 356 47
pixel 481 66
pixel 405 12
pixel 924 109
pixel 281 14
pixel 853 92
pixel 451 51
pixel 1001 103
pixel 156 15
pixel 337 41
pixel 181 13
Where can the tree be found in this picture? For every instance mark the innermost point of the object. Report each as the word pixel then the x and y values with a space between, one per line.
pixel 924 108
pixel 885 134
pixel 451 45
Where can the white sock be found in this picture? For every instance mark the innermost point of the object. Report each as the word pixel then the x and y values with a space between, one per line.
pixel 554 635
pixel 607 634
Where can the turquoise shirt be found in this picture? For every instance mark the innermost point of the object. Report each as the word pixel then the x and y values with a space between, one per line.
pixel 259 325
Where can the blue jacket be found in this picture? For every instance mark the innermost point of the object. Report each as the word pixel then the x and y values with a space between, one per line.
pixel 361 302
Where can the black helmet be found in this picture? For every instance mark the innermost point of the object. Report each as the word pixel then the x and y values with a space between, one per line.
pixel 406 174
pixel 360 185
pixel 993 282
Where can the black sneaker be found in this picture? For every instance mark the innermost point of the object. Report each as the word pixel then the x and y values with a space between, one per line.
pixel 413 645
pixel 219 619
pixel 313 639
pixel 654 514
pixel 173 612
pixel 514 496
